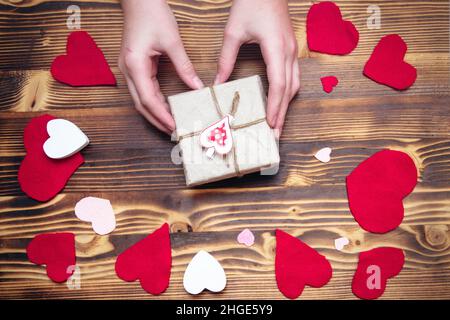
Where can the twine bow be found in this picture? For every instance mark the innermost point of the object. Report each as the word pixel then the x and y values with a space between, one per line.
pixel 234 107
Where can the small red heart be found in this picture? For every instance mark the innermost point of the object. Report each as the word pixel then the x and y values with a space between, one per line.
pixel 328 83
pixel 386 65
pixel 375 267
pixel 327 32
pixel 376 189
pixel 297 265
pixel 84 64
pixel 148 260
pixel 56 251
pixel 41 177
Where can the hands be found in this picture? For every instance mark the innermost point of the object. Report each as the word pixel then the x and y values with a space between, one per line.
pixel 150 29
pixel 267 23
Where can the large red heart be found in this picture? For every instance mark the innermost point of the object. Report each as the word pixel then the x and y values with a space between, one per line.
pixel 375 267
pixel 41 177
pixel 84 64
pixel 376 189
pixel 56 251
pixel 297 265
pixel 326 31
pixel 386 65
pixel 148 260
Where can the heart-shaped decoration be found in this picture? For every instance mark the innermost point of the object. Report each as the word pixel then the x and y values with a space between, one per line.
pixel 97 211
pixel 41 177
pixel 375 267
pixel 340 243
pixel 204 272
pixel 56 251
pixel 246 237
pixel 323 155
pixel 148 261
pixel 65 139
pixel 84 64
pixel 326 31
pixel 376 189
pixel 328 83
pixel 298 265
pixel 217 137
pixel 386 64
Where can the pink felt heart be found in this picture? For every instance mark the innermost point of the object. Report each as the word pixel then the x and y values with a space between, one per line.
pixel 84 64
pixel 328 83
pixel 246 237
pixel 97 211
pixel 386 64
pixel 56 251
pixel 327 32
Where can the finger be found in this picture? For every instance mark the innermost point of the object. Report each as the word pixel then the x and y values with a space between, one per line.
pixel 141 109
pixel 142 72
pixel 228 55
pixel 286 98
pixel 276 73
pixel 183 65
pixel 295 85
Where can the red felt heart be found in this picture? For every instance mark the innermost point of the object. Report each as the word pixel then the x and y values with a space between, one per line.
pixel 376 189
pixel 328 83
pixel 84 64
pixel 41 177
pixel 375 267
pixel 386 65
pixel 297 265
pixel 148 260
pixel 56 251
pixel 326 31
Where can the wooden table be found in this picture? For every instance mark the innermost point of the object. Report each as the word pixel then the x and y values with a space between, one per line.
pixel 129 162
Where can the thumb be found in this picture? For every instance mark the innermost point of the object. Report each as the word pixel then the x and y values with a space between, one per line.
pixel 184 66
pixel 228 55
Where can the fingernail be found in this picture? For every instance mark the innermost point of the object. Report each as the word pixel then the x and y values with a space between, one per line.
pixel 198 83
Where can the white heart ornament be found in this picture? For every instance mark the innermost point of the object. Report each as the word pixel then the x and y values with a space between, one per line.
pixel 323 155
pixel 98 212
pixel 65 139
pixel 204 272
pixel 340 243
pixel 217 137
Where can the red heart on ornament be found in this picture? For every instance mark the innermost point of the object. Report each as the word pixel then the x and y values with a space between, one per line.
pixel 386 64
pixel 375 267
pixel 376 189
pixel 41 177
pixel 328 83
pixel 56 251
pixel 84 64
pixel 148 261
pixel 297 265
pixel 327 32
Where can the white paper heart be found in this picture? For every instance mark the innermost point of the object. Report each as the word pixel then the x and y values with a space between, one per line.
pixel 323 155
pixel 204 272
pixel 98 212
pixel 65 139
pixel 217 137
pixel 340 243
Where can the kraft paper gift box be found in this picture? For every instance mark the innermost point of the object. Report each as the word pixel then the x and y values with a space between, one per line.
pixel 254 146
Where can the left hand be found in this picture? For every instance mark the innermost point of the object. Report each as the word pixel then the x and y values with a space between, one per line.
pixel 267 23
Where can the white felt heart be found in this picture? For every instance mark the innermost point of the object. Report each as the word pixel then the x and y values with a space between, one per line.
pixel 204 272
pixel 323 154
pixel 65 139
pixel 97 211
pixel 340 243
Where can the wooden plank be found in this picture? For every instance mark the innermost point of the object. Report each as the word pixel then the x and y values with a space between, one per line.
pixel 249 270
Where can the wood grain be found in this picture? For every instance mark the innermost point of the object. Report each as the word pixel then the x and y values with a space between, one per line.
pixel 129 162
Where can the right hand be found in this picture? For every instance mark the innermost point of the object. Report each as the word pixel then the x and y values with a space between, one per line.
pixel 150 30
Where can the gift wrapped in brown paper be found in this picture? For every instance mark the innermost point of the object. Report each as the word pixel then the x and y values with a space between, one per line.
pixel 223 132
